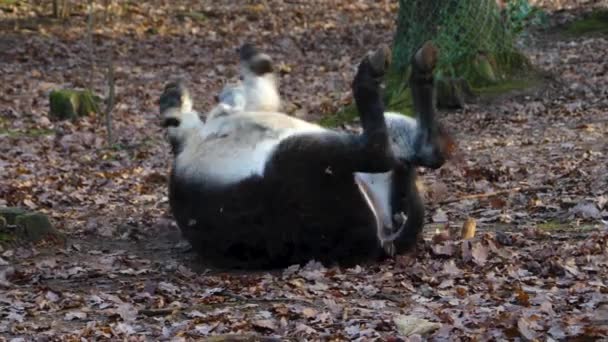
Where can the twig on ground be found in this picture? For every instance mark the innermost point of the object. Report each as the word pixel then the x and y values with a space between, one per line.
pixel 110 103
pixel 494 193
pixel 240 300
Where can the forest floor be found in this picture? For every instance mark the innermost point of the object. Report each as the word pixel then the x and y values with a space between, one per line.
pixel 531 168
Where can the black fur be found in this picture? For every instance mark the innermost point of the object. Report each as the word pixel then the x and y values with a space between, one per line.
pixel 261 66
pixel 247 51
pixel 307 205
pixel 423 95
pixel 258 63
pixel 172 95
pixel 170 122
pixel 276 221
pixel 405 199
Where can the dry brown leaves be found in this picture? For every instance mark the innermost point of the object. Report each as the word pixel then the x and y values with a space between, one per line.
pixel 541 156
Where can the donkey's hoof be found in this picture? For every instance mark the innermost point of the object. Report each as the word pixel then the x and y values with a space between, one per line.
pixel 426 57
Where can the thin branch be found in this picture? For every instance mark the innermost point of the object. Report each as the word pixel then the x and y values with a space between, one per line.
pixel 107 4
pixel 56 8
pixel 495 193
pixel 90 43
pixel 239 301
pixel 110 103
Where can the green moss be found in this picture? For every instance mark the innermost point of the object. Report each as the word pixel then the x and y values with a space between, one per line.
pixel 597 22
pixel 347 115
pixel 10 214
pixel 507 86
pixel 552 225
pixel 9 2
pixel 35 227
pixel 487 76
pixel 193 15
pixel 39 132
pixel 452 92
pixel 483 70
pixel 31 133
pixel 556 225
pixel 71 104
pixel 488 69
pixel 89 103
pixel 6 237
pixel 400 102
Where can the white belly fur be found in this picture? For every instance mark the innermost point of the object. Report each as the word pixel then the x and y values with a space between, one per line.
pixel 379 193
pixel 234 147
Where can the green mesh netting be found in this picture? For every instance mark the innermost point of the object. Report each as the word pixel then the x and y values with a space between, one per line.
pixel 472 36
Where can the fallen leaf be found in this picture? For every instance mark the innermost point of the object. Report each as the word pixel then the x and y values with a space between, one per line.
pixel 72 315
pixel 450 268
pixel 523 326
pixel 265 324
pixel 443 249
pixel 440 216
pixel 522 297
pixel 468 229
pixel 5 274
pixel 446 283
pixel 309 312
pixel 465 249
pixel 480 254
pixel 557 332
pixel 411 325
pixel 586 210
pixel 127 312
pixel 441 235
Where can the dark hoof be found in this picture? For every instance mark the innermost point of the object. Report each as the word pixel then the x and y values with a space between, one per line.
pixel 247 51
pixel 380 60
pixel 425 59
pixel 173 96
pixel 371 70
pixel 259 63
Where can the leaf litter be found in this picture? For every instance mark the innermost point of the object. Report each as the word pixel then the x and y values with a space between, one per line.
pixel 536 164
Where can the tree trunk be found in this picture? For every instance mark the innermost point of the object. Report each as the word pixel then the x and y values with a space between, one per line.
pixel 475 43
pixel 417 22
pixel 61 9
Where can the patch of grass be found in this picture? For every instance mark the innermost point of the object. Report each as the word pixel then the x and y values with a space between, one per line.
pixel 9 2
pixel 552 225
pixel 556 225
pixel 193 15
pixel 507 86
pixel 401 103
pixel 398 96
pixel 30 133
pixel 347 115
pixel 6 237
pixel 597 22
pixel 119 147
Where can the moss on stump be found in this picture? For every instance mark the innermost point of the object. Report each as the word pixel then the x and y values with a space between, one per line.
pixel 596 22
pixel 453 92
pixel 17 224
pixel 10 214
pixel 69 104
